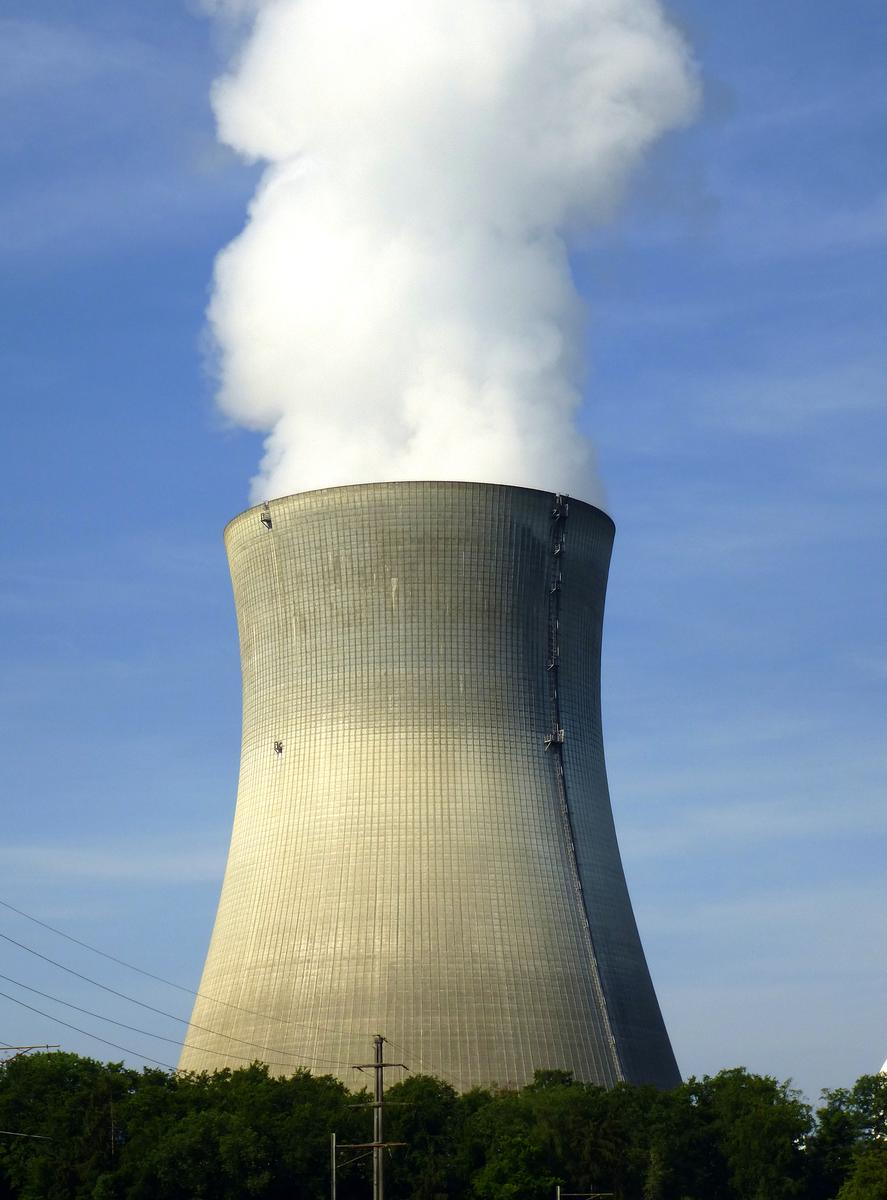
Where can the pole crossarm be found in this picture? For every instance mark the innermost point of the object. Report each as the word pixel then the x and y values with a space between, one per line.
pixel 385 1104
pixel 39 1046
pixel 369 1145
pixel 17 1051
pixel 13 1053
pixel 378 1145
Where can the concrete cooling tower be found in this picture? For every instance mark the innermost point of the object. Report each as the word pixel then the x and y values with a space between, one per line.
pixel 423 844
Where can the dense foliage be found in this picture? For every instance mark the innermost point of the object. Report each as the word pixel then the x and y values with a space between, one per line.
pixel 119 1134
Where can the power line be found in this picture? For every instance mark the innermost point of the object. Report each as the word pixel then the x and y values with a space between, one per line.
pixel 146 1032
pixel 120 962
pixel 189 991
pixel 86 1033
pixel 162 1012
pixel 158 978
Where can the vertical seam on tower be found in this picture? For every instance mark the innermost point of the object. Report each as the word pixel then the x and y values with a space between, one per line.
pixel 555 742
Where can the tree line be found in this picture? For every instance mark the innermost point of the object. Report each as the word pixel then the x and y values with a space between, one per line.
pixel 114 1133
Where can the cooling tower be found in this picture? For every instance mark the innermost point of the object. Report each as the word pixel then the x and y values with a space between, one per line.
pixel 423 844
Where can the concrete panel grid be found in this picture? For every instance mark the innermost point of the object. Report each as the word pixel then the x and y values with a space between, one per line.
pixel 423 844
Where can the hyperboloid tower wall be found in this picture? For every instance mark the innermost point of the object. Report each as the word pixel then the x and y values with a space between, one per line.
pixel 423 844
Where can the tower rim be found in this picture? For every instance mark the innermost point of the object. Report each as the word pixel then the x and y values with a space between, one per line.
pixel 396 483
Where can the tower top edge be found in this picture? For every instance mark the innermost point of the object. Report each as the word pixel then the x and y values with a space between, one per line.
pixel 395 486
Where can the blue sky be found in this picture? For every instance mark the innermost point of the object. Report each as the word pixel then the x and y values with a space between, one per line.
pixel 737 399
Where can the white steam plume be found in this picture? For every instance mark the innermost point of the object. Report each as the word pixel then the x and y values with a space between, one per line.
pixel 400 304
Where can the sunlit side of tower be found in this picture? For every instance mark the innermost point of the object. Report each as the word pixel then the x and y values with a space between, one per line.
pixel 423 843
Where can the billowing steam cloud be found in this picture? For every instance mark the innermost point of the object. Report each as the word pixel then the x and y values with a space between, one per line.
pixel 400 304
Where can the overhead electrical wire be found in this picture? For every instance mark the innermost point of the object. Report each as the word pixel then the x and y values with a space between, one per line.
pixel 157 978
pixel 162 1012
pixel 120 962
pixel 161 1037
pixel 179 987
pixel 86 1033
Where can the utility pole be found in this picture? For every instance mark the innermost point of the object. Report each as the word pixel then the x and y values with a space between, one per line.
pixel 378 1089
pixel 377 1145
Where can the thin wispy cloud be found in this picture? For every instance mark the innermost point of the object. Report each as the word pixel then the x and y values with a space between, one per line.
pixel 36 55
pixel 131 575
pixel 781 403
pixel 723 536
pixel 99 177
pixel 775 226
pixel 97 212
pixel 156 863
pixel 792 819
pixel 773 919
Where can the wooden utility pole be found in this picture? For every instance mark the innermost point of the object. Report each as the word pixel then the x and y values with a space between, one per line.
pixel 378 1091
pixel 377 1145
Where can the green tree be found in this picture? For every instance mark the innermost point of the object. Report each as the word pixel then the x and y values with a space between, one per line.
pixel 760 1127
pixel 118 1134
pixel 232 1135
pixel 71 1101
pixel 423 1114
pixel 830 1149
pixel 506 1152
pixel 514 1170
pixel 686 1159
pixel 846 1149
pixel 868 1175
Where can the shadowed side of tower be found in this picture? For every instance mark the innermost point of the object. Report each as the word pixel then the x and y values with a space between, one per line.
pixel 423 842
